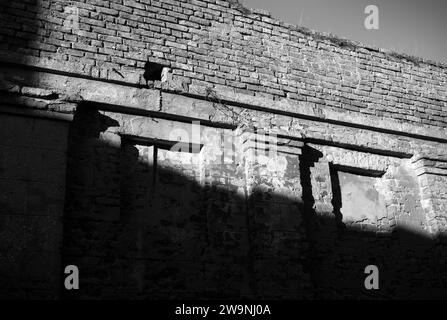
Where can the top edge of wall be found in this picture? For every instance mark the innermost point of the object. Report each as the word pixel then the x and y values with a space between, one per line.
pixel 337 40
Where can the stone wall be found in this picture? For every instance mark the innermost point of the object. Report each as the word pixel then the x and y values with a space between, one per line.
pixel 214 152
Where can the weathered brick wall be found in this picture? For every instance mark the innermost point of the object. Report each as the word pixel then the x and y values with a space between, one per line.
pixel 226 220
pixel 219 43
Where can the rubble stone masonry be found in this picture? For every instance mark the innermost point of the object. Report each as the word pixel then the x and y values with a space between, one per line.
pixel 199 149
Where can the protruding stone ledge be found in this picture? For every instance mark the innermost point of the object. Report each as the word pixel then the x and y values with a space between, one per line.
pixel 269 142
pixel 177 146
pixel 430 165
pixel 131 94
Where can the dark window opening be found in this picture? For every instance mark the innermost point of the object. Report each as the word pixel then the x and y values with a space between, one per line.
pixel 152 71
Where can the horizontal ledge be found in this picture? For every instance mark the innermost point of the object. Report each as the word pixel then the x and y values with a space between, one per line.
pixel 178 146
pixel 35 113
pixel 436 137
pixel 152 114
pixel 358 171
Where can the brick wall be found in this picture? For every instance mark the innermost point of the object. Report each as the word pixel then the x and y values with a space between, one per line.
pixel 227 220
pixel 219 43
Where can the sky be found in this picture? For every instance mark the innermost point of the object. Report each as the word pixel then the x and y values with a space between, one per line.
pixel 415 27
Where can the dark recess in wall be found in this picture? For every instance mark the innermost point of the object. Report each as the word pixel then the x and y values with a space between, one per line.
pixel 152 71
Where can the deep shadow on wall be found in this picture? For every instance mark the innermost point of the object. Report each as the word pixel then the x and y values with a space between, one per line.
pixel 148 230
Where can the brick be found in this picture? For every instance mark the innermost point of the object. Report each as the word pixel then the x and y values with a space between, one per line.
pixel 360 136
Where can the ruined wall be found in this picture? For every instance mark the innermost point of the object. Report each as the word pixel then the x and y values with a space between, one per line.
pixel 357 175
pixel 156 222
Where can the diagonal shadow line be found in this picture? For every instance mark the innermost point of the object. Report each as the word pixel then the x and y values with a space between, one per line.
pixel 180 239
